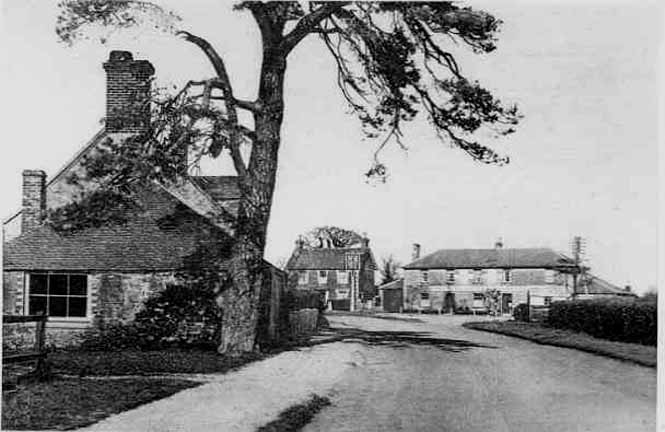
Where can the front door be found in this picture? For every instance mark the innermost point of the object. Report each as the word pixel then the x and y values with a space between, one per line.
pixel 449 303
pixel 506 303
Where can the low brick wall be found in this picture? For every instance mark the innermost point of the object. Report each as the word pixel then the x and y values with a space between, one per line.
pixel 303 322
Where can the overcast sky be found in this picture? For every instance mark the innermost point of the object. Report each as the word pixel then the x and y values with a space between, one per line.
pixel 583 162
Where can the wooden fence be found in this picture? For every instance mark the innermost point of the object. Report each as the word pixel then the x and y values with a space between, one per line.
pixel 38 353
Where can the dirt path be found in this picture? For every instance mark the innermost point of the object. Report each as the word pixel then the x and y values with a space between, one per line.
pixel 245 399
pixel 463 380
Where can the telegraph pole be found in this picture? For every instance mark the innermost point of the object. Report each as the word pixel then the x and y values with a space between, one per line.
pixel 577 246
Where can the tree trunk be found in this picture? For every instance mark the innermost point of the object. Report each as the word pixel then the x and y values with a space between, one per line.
pixel 239 301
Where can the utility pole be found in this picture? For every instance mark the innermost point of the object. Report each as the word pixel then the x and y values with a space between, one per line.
pixel 577 246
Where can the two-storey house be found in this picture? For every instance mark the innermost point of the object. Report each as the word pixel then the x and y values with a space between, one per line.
pixel 343 276
pixel 458 280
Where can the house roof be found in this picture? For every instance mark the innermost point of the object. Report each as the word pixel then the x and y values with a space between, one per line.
pixel 491 258
pixel 327 258
pixel 220 188
pixel 164 234
pixel 396 284
pixel 598 286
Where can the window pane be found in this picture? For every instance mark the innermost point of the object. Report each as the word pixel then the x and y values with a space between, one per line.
pixel 78 284
pixel 77 306
pixel 37 305
pixel 57 306
pixel 57 285
pixel 37 284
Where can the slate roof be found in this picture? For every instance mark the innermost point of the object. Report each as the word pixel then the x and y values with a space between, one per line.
pixel 396 284
pixel 491 258
pixel 327 259
pixel 598 286
pixel 164 235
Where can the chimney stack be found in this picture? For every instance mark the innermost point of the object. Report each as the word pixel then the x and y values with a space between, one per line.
pixel 127 92
pixel 300 243
pixel 365 242
pixel 499 243
pixel 34 199
pixel 627 288
pixel 416 252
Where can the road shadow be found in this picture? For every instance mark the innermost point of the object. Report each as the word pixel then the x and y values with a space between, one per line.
pixel 396 339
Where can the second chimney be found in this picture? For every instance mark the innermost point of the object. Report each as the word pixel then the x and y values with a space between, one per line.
pixel 34 199
pixel 127 92
pixel 416 252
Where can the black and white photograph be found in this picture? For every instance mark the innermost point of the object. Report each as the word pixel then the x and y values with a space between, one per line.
pixel 273 216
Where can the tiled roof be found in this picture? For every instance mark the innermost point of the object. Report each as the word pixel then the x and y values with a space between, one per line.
pixel 598 286
pixel 327 259
pixel 491 258
pixel 164 235
pixel 220 188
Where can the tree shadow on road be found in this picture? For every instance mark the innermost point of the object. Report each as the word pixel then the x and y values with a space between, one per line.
pixel 398 339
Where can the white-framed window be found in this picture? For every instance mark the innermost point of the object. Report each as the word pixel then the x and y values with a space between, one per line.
pixel 323 277
pixel 424 276
pixel 59 295
pixel 303 277
pixel 342 293
pixel 478 296
pixel 549 276
pixel 450 276
pixel 507 276
pixel 547 300
pixel 342 277
pixel 476 276
pixel 424 296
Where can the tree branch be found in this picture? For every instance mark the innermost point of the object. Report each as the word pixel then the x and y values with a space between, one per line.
pixel 309 23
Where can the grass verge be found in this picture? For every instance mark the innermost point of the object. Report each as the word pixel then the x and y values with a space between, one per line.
pixel 641 354
pixel 130 362
pixel 68 403
pixel 296 417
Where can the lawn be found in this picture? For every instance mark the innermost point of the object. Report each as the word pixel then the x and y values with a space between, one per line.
pixel 129 362
pixel 641 354
pixel 68 403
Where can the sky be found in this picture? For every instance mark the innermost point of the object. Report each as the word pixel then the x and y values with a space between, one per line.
pixel 583 161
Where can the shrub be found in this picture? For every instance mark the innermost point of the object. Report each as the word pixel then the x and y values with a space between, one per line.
pixel 181 315
pixel 624 320
pixel 521 312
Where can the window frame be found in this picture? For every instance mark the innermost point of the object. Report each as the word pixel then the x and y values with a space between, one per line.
pixel 322 280
pixel 451 276
pixel 550 276
pixel 547 300
pixel 303 277
pixel 424 276
pixel 345 279
pixel 507 276
pixel 424 295
pixel 87 296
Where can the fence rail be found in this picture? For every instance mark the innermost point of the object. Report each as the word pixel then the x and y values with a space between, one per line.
pixel 38 353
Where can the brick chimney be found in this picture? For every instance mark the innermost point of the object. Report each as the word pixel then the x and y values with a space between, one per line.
pixel 365 242
pixel 34 199
pixel 127 92
pixel 416 252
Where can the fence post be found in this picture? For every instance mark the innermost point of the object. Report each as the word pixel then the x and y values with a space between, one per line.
pixel 41 370
pixel 528 306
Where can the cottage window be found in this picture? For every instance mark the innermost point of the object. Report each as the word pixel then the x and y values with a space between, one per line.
pixel 424 296
pixel 302 277
pixel 323 276
pixel 342 277
pixel 478 296
pixel 450 276
pixel 549 276
pixel 477 276
pixel 424 276
pixel 547 301
pixel 507 276
pixel 58 295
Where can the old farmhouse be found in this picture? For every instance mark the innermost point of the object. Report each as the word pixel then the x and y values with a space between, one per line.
pixel 103 274
pixel 456 280
pixel 343 276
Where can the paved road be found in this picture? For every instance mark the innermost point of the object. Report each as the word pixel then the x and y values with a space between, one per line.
pixel 449 378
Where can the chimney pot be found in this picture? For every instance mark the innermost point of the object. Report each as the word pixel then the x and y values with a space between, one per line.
pixel 127 92
pixel 416 252
pixel 34 199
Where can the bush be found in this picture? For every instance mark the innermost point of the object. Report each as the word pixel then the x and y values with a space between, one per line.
pixel 624 320
pixel 521 312
pixel 181 315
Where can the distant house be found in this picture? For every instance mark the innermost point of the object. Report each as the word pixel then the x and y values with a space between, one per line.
pixel 592 287
pixel 101 275
pixel 456 280
pixel 343 276
pixel 391 296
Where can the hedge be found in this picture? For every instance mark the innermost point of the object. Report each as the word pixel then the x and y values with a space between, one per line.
pixel 625 320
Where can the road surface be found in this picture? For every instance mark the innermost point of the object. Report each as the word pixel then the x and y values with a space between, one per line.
pixel 448 378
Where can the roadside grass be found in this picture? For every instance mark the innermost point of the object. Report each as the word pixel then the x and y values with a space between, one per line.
pixel 641 354
pixel 68 403
pixel 136 362
pixel 296 417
